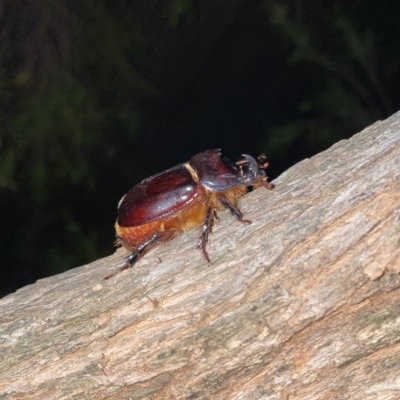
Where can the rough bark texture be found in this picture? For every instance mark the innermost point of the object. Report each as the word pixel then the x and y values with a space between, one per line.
pixel 302 304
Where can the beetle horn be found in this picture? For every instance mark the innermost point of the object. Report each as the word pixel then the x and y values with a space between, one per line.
pixel 252 165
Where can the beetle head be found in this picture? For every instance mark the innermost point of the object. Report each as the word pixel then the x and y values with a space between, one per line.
pixel 218 174
pixel 252 170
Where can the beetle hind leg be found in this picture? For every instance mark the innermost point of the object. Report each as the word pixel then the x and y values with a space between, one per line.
pixel 158 238
pixel 233 209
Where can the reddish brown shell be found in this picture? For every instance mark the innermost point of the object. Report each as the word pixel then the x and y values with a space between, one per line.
pixel 214 172
pixel 158 197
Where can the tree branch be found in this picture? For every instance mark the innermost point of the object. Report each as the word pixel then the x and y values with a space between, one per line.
pixel 302 304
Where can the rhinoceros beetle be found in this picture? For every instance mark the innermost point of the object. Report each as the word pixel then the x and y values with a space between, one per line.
pixel 184 197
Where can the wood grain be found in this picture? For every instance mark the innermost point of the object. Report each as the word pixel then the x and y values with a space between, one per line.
pixel 302 304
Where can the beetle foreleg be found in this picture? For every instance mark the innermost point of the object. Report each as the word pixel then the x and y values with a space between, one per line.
pixel 268 185
pixel 207 227
pixel 233 209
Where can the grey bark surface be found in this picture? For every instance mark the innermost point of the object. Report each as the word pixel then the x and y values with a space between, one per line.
pixel 304 303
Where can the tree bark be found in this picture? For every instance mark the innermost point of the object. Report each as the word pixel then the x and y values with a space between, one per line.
pixel 304 303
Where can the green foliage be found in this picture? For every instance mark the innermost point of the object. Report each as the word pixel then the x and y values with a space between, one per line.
pixel 176 10
pixel 48 141
pixel 72 90
pixel 62 116
pixel 348 76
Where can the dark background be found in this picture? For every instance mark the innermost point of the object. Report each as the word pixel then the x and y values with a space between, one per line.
pixel 97 95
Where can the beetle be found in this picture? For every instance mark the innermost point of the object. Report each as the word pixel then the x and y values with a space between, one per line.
pixel 183 197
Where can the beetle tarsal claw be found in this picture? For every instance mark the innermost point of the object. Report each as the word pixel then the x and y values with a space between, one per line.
pixel 201 244
pixel 123 268
pixel 269 186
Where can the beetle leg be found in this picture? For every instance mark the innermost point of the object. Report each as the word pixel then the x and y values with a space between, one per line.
pixel 215 215
pixel 233 209
pixel 207 227
pixel 268 185
pixel 133 257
